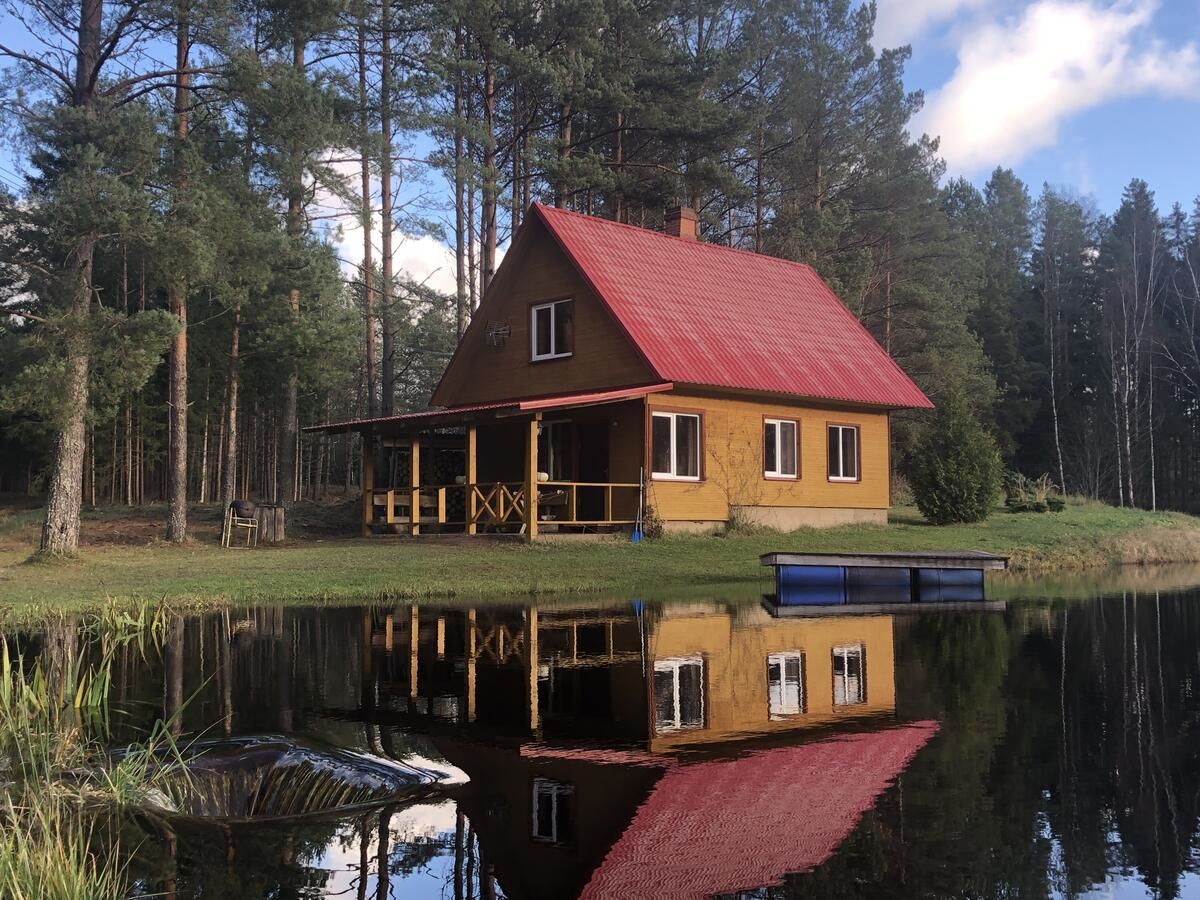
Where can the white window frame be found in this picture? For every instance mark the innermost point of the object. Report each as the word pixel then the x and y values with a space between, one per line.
pixel 841 429
pixel 674 417
pixel 845 651
pixel 781 659
pixel 673 665
pixel 547 790
pixel 779 423
pixel 554 353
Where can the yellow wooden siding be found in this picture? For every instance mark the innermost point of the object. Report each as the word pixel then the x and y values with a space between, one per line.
pixel 536 271
pixel 735 676
pixel 732 441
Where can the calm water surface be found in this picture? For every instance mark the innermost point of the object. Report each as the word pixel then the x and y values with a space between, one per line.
pixel 676 750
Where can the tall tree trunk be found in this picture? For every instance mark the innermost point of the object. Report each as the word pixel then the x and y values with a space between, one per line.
pixel 489 173
pixel 564 152
pixel 619 168
pixel 460 262
pixel 204 451
pixel 286 475
pixel 368 264
pixel 177 296
pixel 229 471
pixel 60 530
pixel 385 175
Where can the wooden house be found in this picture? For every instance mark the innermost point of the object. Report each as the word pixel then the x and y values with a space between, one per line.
pixel 609 362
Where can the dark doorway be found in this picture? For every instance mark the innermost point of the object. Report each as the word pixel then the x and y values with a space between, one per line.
pixel 592 438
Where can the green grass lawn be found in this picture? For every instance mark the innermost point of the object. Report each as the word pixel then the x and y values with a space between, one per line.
pixel 311 568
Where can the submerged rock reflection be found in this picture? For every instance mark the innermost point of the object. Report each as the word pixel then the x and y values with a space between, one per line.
pixel 704 748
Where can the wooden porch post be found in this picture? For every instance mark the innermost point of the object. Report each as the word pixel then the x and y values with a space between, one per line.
pixel 470 665
pixel 414 634
pixel 531 479
pixel 531 654
pixel 368 481
pixel 472 445
pixel 414 481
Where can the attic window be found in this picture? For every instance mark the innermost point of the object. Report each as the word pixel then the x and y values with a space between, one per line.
pixel 552 330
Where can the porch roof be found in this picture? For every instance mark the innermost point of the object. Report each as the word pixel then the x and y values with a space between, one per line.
pixel 482 412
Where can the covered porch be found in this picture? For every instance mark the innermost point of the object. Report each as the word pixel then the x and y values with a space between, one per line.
pixel 565 464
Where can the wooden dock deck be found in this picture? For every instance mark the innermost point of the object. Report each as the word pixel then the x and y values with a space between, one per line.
pixel 952 559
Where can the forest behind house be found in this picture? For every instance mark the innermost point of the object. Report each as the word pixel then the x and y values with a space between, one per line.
pixel 173 310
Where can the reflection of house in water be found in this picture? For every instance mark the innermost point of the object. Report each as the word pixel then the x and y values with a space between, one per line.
pixel 672 752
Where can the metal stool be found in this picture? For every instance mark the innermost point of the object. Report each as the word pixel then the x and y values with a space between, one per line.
pixel 240 514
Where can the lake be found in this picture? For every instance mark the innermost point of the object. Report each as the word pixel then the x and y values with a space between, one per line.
pixel 683 748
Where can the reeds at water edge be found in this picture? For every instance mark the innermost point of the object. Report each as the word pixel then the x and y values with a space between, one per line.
pixel 59 787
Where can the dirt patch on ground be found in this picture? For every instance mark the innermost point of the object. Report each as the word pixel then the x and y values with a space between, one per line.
pixel 140 526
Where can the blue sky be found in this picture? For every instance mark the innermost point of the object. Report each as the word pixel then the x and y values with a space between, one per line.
pixel 1083 94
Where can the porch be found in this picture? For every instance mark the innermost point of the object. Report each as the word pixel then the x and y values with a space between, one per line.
pixel 568 464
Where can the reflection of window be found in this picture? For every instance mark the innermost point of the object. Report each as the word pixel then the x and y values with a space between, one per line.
pixel 553 807
pixel 785 684
pixel 843 453
pixel 679 693
pixel 849 675
pixel 779 448
pixel 552 330
pixel 675 445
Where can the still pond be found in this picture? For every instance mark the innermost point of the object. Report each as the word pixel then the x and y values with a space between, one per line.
pixel 685 749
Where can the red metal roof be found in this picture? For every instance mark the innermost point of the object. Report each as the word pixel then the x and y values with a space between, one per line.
pixel 735 825
pixel 452 414
pixel 709 315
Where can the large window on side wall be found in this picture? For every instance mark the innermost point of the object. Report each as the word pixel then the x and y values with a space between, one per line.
pixel 675 446
pixel 785 684
pixel 849 675
pixel 552 330
pixel 780 459
pixel 843 453
pixel 678 693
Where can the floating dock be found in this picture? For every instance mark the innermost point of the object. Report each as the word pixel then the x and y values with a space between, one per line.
pixel 880 579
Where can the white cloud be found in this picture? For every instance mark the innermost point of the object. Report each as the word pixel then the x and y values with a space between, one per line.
pixel 1017 81
pixel 898 22
pixel 422 258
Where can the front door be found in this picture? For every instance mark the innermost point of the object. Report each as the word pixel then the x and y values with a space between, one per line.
pixel 592 441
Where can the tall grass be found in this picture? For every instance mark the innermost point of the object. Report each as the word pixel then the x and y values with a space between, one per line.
pixel 57 781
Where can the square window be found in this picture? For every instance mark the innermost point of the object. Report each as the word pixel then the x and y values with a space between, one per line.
pixel 679 693
pixel 780 451
pixel 553 811
pixel 675 446
pixel 849 675
pixel 785 684
pixel 843 452
pixel 552 330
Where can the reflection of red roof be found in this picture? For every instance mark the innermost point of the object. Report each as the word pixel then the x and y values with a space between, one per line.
pixel 709 315
pixel 733 825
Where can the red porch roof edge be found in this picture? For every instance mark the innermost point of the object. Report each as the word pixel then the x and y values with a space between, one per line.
pixel 593 397
pixel 532 404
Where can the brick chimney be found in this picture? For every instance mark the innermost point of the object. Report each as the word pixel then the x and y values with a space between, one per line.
pixel 680 221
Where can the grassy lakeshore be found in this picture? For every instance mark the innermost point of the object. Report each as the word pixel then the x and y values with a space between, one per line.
pixel 123 561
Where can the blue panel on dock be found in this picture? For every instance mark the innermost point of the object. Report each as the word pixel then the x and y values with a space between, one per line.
pixel 810 585
pixel 872 585
pixel 949 585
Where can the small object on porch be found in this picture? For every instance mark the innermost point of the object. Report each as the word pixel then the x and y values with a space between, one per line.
pixel 240 514
pixel 270 519
pixel 551 498
pixel 543 476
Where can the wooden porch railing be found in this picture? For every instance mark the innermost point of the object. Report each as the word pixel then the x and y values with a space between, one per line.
pixel 500 503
